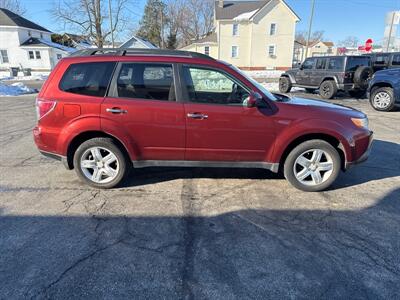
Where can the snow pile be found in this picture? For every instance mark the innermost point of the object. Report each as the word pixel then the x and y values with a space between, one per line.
pixel 271 86
pixel 31 77
pixel 264 74
pixel 15 89
pixel 245 16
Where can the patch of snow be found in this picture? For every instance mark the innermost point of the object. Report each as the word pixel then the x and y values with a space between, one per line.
pixel 264 74
pixel 15 89
pixel 245 16
pixel 58 46
pixel 35 76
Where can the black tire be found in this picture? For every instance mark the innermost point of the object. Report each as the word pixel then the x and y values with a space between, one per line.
pixel 285 85
pixel 362 76
pixel 106 144
pixel 381 92
pixel 328 89
pixel 308 90
pixel 328 178
pixel 358 94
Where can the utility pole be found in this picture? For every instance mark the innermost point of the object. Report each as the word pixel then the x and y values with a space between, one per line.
pixel 310 26
pixel 390 31
pixel 111 23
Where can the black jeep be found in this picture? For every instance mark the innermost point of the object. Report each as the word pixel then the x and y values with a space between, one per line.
pixel 329 74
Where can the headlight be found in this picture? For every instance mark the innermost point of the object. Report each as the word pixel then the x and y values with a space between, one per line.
pixel 361 123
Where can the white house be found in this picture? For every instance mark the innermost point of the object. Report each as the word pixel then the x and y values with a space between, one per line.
pixel 135 42
pixel 25 44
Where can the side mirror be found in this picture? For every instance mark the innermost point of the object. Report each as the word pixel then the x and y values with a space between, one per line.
pixel 300 66
pixel 252 100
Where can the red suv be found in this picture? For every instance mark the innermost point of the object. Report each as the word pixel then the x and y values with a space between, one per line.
pixel 104 111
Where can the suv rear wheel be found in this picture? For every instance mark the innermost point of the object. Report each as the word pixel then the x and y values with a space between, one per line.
pixel 328 89
pixel 382 99
pixel 312 166
pixel 285 85
pixel 100 163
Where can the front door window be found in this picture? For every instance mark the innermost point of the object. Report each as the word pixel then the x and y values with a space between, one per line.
pixel 213 87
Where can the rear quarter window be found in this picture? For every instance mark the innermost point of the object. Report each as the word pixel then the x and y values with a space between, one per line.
pixel 354 62
pixel 336 63
pixel 89 79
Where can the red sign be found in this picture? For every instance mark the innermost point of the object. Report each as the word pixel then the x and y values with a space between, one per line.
pixel 368 45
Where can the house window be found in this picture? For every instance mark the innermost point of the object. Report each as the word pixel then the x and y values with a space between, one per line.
pixel 41 35
pixel 271 50
pixel 272 29
pixel 235 51
pixel 235 29
pixel 207 50
pixel 59 56
pixel 37 53
pixel 4 57
pixel 31 55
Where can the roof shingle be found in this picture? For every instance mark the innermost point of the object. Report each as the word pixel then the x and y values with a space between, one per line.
pixel 8 18
pixel 233 9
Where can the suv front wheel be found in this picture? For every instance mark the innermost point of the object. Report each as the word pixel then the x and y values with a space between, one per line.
pixel 285 85
pixel 312 166
pixel 100 163
pixel 382 99
pixel 328 89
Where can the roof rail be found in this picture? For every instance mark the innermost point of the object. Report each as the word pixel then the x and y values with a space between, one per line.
pixel 141 52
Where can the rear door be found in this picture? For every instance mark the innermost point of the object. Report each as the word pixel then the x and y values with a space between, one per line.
pixel 142 107
pixel 318 72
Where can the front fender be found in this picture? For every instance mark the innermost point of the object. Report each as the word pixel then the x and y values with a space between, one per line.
pixel 287 135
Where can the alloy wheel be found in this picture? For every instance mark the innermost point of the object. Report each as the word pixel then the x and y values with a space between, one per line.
pixel 313 167
pixel 99 164
pixel 382 100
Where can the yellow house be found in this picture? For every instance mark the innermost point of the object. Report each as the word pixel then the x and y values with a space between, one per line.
pixel 315 48
pixel 252 35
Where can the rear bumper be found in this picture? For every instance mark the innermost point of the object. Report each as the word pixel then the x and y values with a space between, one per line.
pixel 55 156
pixel 365 154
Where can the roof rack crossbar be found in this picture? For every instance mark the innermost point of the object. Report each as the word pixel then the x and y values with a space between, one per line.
pixel 144 52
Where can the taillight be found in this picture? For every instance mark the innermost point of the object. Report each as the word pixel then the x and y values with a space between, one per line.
pixel 43 107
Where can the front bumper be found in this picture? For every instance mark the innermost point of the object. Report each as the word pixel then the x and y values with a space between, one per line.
pixel 364 156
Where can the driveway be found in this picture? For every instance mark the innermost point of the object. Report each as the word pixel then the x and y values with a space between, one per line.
pixel 196 233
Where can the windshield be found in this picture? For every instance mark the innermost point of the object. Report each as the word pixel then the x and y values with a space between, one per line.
pixel 267 93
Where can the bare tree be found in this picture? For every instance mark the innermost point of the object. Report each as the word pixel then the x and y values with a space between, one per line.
pixel 350 41
pixel 316 36
pixel 91 18
pixel 190 19
pixel 13 5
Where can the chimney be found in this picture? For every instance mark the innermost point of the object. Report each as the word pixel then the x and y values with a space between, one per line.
pixel 221 3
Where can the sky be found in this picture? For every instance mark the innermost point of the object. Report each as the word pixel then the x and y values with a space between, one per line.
pixel 337 18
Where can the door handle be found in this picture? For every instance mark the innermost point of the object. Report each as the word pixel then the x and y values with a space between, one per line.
pixel 116 110
pixel 197 116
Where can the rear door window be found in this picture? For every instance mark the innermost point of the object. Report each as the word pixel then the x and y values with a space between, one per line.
pixel 336 63
pixel 146 81
pixel 321 63
pixel 354 62
pixel 89 79
pixel 396 60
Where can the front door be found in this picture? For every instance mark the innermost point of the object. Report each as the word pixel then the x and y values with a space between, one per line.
pixel 142 105
pixel 218 126
pixel 303 76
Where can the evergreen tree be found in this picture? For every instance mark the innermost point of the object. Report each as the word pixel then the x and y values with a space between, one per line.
pixel 151 22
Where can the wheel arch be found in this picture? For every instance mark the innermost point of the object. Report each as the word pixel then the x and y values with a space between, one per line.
pixel 87 135
pixel 335 142
pixel 329 78
pixel 380 84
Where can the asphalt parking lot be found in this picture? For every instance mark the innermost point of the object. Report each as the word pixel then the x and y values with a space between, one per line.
pixel 196 233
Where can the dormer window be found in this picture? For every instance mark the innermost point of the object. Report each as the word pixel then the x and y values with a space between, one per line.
pixel 41 35
pixel 235 29
pixel 29 33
